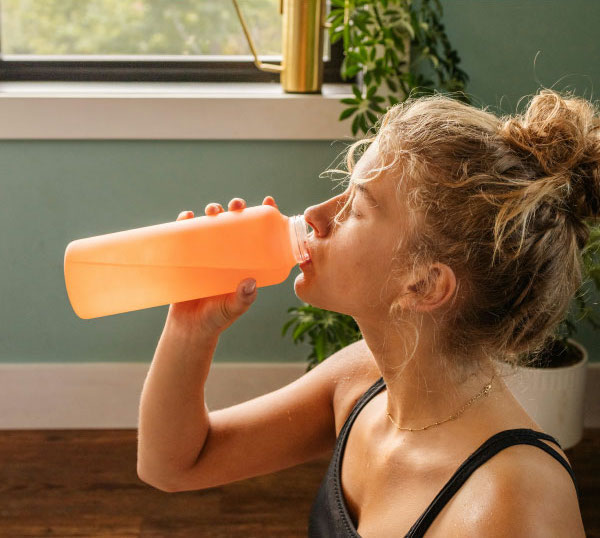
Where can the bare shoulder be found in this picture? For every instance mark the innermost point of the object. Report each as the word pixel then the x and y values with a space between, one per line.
pixel 522 492
pixel 356 373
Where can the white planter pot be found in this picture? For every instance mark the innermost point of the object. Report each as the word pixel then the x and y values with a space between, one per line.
pixel 553 397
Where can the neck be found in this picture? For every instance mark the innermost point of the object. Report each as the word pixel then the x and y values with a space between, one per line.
pixel 424 389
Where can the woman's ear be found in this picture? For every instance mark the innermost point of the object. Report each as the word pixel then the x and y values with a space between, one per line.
pixel 433 290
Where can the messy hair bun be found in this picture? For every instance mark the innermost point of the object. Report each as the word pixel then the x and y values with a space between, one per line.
pixel 560 137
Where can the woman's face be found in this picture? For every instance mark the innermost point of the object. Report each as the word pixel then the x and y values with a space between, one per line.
pixel 351 262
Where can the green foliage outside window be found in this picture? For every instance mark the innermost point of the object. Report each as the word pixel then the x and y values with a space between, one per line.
pixel 144 27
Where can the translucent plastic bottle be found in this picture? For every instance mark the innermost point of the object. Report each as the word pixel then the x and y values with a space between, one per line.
pixel 182 260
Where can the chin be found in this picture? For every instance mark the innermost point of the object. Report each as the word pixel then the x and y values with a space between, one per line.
pixel 310 296
pixel 302 289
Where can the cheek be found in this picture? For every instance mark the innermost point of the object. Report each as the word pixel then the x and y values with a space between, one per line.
pixel 358 261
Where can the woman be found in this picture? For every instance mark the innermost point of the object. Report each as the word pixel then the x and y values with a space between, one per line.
pixel 457 244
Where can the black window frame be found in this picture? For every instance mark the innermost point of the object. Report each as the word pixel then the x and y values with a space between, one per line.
pixel 157 71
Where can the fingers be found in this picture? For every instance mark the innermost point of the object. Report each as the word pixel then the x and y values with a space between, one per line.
pixel 214 208
pixel 185 215
pixel 269 200
pixel 236 204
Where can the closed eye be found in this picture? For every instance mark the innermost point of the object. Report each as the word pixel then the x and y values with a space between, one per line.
pixel 366 194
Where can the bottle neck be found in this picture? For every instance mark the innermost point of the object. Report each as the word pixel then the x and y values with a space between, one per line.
pixel 299 230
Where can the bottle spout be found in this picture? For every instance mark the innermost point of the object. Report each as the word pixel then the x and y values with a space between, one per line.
pixel 299 230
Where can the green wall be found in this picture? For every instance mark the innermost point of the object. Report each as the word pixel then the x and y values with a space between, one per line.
pixel 57 191
pixel 511 47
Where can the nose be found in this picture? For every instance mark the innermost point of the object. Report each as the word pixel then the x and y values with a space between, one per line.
pixel 320 216
pixel 314 216
pixel 309 217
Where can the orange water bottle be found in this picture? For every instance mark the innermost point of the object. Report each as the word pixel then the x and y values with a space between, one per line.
pixel 182 260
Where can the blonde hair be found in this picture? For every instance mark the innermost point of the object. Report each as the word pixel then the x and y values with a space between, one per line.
pixel 503 202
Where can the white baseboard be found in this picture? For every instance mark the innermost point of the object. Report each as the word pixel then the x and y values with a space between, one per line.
pixel 106 395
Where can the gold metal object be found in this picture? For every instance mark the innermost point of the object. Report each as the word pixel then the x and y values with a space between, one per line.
pixel 484 392
pixel 301 67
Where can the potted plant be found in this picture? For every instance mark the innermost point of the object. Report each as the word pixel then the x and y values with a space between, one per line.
pixel 376 34
pixel 392 41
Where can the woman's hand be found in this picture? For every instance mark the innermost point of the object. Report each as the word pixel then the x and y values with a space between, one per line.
pixel 212 315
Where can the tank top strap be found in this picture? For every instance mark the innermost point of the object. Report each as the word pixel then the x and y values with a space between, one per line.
pixel 368 395
pixel 492 446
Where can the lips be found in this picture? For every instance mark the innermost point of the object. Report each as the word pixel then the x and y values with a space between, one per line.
pixel 306 264
pixel 309 255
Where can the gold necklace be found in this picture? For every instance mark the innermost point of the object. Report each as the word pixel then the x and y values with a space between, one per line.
pixel 484 392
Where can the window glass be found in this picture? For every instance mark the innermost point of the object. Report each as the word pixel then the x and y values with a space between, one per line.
pixel 138 27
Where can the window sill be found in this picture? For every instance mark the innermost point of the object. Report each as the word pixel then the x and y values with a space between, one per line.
pixel 171 110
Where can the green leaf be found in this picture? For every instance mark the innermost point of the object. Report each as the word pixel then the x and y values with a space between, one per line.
pixel 355 124
pixel 301 329
pixel 363 123
pixel 286 326
pixel 350 72
pixel 350 101
pixel 348 112
pixel 355 57
pixel 356 92
pixel 320 346
pixel 372 117
pixel 341 337
pixel 407 27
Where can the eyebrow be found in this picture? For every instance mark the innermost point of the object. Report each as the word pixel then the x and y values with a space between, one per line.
pixel 367 192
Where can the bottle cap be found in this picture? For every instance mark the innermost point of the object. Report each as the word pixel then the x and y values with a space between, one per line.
pixel 299 230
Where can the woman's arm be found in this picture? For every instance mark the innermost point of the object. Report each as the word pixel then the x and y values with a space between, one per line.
pixel 173 417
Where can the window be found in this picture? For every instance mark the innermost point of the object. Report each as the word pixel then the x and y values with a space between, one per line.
pixel 144 40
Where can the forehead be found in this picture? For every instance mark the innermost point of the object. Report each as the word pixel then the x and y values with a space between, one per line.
pixel 387 186
pixel 376 181
pixel 366 167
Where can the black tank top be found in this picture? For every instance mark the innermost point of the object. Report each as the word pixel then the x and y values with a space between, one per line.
pixel 329 516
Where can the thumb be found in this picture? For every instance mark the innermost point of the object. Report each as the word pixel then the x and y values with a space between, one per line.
pixel 247 289
pixel 237 303
pixel 234 305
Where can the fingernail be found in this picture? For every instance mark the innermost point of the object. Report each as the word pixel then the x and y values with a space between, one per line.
pixel 249 288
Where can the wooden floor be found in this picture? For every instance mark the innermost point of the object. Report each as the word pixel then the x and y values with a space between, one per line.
pixel 84 483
